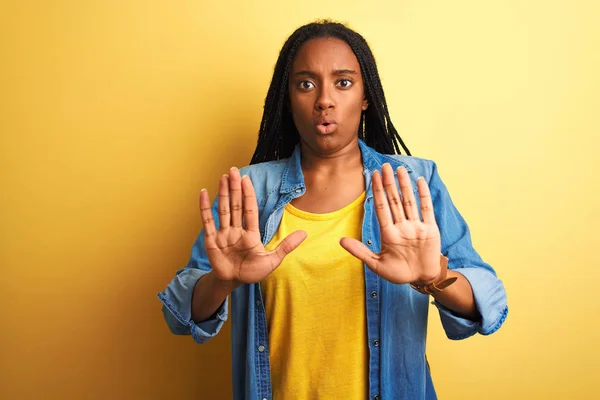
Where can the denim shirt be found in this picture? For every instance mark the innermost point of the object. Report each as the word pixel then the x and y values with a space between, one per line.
pixel 396 314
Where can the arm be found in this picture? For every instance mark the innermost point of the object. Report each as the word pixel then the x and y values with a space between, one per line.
pixel 182 299
pixel 476 302
pixel 228 253
pixel 193 303
pixel 209 294
pixel 458 297
pixel 410 252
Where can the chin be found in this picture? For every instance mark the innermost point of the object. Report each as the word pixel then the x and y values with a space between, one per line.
pixel 328 143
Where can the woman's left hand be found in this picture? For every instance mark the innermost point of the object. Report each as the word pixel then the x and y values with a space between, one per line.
pixel 410 246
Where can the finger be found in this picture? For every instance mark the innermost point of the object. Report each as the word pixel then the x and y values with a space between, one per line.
pixel 287 245
pixel 224 212
pixel 360 251
pixel 206 213
pixel 391 190
pixel 408 197
pixel 250 205
pixel 382 208
pixel 235 197
pixel 427 211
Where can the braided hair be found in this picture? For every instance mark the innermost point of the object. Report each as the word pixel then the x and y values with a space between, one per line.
pixel 278 135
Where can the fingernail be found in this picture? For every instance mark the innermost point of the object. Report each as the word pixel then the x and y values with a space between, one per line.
pixel 203 190
pixel 232 168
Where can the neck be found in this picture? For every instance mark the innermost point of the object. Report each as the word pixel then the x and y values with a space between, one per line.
pixel 344 159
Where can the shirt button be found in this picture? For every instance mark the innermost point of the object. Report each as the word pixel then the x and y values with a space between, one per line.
pixel 373 295
pixel 298 190
pixel 369 242
pixel 261 348
pixel 258 303
pixel 376 343
pixel 264 398
pixel 376 397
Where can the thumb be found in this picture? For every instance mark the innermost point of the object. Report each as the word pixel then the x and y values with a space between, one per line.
pixel 287 245
pixel 360 251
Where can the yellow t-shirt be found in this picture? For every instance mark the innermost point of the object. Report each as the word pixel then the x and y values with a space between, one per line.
pixel 315 304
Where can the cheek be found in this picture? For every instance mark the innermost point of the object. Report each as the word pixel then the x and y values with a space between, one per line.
pixel 354 109
pixel 301 108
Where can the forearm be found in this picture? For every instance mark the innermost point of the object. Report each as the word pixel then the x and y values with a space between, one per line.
pixel 458 297
pixel 209 294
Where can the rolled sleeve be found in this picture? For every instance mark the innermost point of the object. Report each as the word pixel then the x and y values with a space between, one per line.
pixel 488 290
pixel 490 300
pixel 177 308
pixel 177 297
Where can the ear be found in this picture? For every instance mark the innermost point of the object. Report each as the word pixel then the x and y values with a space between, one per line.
pixel 365 104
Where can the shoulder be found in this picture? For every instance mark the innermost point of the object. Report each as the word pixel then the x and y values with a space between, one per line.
pixel 416 166
pixel 264 169
pixel 266 176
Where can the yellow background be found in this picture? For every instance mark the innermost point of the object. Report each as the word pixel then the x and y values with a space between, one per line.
pixel 114 114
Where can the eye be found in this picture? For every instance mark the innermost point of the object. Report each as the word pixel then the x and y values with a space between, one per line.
pixel 344 83
pixel 305 85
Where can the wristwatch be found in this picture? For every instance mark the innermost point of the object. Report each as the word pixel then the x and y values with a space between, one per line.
pixel 440 283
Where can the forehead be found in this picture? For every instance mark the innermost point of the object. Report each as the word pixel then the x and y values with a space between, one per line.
pixel 325 54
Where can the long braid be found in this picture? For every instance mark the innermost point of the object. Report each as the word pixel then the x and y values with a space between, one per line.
pixel 278 135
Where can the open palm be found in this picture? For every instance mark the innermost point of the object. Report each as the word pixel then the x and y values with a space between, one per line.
pixel 235 251
pixel 410 246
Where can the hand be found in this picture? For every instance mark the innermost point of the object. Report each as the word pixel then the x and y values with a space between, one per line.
pixel 235 251
pixel 410 247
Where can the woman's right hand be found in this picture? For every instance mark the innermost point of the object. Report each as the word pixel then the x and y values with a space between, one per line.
pixel 235 251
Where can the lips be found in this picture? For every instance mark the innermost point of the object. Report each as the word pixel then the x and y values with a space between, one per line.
pixel 326 125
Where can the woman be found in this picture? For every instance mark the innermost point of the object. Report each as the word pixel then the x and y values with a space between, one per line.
pixel 330 244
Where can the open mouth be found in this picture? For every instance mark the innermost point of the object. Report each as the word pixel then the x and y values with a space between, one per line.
pixel 326 128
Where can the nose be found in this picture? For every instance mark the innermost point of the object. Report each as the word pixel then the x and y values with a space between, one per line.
pixel 324 99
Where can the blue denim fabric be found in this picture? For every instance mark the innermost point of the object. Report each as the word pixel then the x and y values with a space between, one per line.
pixel 396 314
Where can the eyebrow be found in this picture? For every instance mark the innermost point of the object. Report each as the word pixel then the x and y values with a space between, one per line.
pixel 335 72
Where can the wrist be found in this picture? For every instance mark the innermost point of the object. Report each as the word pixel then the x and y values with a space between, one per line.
pixel 440 283
pixel 223 285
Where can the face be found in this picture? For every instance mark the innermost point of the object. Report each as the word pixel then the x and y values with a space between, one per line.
pixel 326 94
